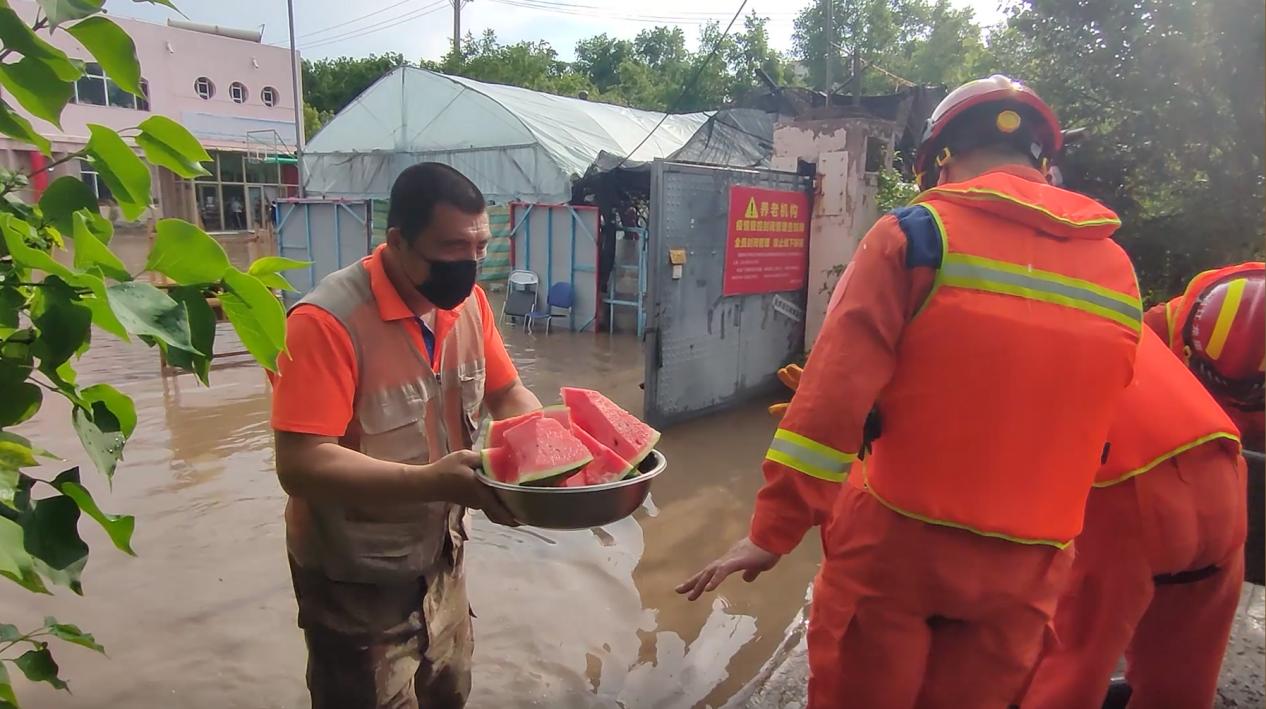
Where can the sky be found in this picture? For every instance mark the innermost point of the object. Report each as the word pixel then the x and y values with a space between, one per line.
pixel 423 29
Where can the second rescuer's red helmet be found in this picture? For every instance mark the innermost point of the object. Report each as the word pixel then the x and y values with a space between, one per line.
pixel 1004 91
pixel 1225 337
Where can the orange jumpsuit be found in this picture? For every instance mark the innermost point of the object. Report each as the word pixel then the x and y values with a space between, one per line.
pixel 1160 562
pixel 905 612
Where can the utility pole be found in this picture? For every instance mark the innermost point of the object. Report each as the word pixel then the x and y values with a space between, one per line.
pixel 296 97
pixel 830 50
pixel 457 26
pixel 857 59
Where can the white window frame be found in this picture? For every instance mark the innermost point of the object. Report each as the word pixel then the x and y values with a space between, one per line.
pixel 210 88
pixel 238 92
pixel 270 96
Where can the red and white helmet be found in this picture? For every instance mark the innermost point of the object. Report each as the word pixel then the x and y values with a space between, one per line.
pixel 997 89
pixel 1225 337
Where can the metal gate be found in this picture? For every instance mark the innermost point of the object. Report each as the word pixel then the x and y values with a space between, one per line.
pixel 330 234
pixel 704 351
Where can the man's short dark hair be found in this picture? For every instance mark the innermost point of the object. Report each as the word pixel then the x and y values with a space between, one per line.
pixel 420 187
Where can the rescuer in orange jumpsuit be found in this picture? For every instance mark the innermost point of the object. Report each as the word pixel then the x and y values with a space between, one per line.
pixel 1160 562
pixel 1216 327
pixel 992 328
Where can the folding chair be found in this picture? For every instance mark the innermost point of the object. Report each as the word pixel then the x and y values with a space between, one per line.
pixel 560 297
pixel 521 294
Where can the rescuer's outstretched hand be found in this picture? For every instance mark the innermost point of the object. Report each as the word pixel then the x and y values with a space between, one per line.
pixel 790 377
pixel 743 556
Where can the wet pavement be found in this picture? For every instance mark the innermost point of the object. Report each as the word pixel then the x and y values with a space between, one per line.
pixel 204 616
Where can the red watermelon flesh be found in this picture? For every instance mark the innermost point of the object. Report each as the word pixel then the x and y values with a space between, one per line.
pixel 606 467
pixel 542 450
pixel 494 432
pixel 612 426
pixel 559 413
pixel 499 464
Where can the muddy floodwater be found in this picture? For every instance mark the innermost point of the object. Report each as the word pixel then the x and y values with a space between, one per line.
pixel 204 615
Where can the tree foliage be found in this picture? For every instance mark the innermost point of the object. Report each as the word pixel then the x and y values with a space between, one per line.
pixel 1172 94
pixel 925 42
pixel 53 303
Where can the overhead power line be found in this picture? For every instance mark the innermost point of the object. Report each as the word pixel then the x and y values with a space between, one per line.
pixel 684 17
pixel 689 84
pixel 380 26
pixel 344 25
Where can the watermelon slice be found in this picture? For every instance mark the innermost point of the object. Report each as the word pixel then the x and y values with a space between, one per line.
pixel 559 413
pixel 542 450
pixel 493 432
pixel 500 465
pixel 611 425
pixel 606 467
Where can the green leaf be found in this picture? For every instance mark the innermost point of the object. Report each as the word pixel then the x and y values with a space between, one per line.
pixel 59 11
pixel 275 264
pixel 164 3
pixel 187 254
pixel 9 633
pixel 102 315
pixel 16 232
pixel 8 700
pixel 51 532
pixel 72 634
pixel 19 403
pixel 16 563
pixel 38 666
pixel 63 198
pixel 17 35
pixel 63 323
pixel 18 452
pixel 118 527
pixel 257 316
pixel 112 48
pixel 101 436
pixel 171 145
pixel 16 126
pixel 123 172
pixel 276 281
pixel 37 88
pixel 119 404
pixel 90 252
pixel 202 331
pixel 145 310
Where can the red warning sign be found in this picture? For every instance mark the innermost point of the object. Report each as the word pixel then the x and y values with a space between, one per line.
pixel 767 247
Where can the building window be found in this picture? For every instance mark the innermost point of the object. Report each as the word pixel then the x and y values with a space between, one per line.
pixel 204 88
pixel 97 89
pixel 876 149
pixel 268 96
pixel 239 192
pixel 237 92
pixel 88 173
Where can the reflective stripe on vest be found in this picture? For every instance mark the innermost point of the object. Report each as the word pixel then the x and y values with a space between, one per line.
pixel 807 456
pixel 982 193
pixel 989 275
pixel 1167 455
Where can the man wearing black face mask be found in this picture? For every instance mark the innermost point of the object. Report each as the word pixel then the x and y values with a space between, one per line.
pixel 391 363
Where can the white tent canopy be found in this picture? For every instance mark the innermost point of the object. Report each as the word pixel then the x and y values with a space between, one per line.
pixel 514 143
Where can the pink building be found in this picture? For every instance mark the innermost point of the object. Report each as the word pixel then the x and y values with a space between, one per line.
pixel 228 88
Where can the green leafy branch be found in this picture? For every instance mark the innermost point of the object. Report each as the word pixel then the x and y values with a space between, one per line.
pixel 60 283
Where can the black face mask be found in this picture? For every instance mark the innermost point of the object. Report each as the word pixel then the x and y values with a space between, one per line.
pixel 450 283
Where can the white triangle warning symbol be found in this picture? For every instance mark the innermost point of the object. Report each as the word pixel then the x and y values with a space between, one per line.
pixel 751 209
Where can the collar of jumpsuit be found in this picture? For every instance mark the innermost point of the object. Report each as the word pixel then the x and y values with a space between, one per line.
pixel 1021 194
pixel 391 305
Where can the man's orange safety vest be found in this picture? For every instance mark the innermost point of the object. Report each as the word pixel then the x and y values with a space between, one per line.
pixel 1008 377
pixel 1165 411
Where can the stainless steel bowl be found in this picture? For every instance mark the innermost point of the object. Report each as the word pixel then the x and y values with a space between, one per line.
pixel 579 507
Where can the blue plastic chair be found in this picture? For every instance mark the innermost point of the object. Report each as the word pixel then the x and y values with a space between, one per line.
pixel 560 297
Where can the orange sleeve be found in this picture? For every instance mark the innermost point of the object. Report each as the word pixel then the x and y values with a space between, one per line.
pixel 852 360
pixel 499 371
pixel 315 385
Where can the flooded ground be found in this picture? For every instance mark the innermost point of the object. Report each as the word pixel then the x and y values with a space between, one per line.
pixel 204 616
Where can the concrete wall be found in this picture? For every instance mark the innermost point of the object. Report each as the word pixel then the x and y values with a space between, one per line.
pixel 171 60
pixel 844 202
